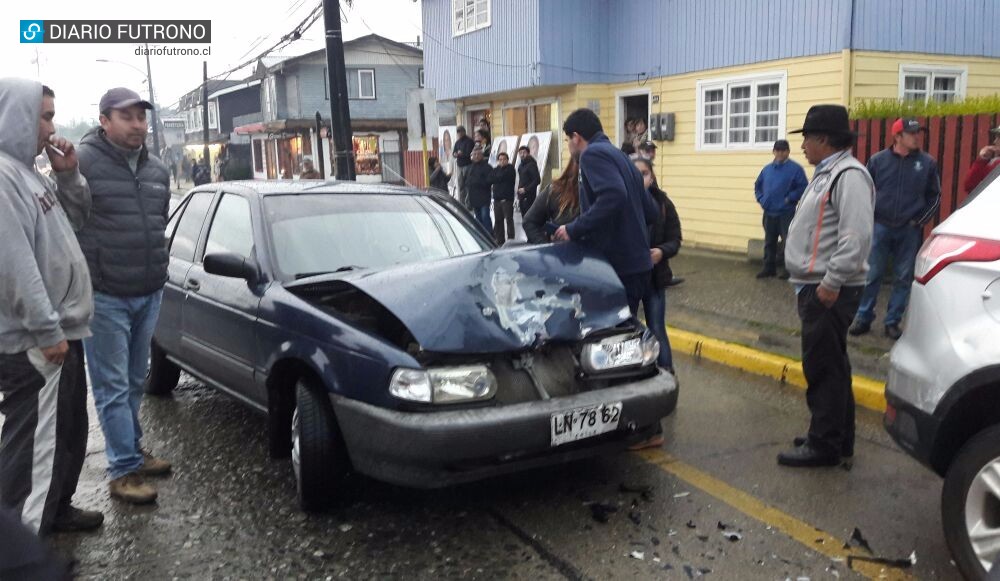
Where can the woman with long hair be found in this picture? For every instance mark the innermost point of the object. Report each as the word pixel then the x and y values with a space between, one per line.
pixel 557 205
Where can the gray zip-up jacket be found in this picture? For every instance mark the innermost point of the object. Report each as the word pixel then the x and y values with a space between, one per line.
pixel 831 234
pixel 45 290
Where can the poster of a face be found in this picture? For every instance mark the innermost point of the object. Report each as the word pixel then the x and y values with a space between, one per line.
pixel 446 142
pixel 538 147
pixel 505 144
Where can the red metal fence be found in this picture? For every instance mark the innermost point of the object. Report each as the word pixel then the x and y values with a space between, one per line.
pixel 953 141
pixel 413 164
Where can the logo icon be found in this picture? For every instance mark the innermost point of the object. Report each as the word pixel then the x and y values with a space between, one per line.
pixel 918 166
pixel 32 31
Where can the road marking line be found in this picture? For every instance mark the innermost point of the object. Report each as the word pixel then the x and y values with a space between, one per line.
pixel 757 509
pixel 868 392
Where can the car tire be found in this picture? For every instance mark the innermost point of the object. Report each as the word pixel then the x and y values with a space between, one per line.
pixel 163 374
pixel 961 481
pixel 319 457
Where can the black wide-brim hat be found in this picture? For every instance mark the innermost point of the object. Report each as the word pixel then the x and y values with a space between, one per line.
pixel 827 119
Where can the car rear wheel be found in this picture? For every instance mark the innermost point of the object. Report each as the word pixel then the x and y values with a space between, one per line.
pixel 319 457
pixel 970 505
pixel 163 374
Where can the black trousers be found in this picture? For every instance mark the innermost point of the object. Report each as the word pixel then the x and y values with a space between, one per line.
pixel 503 213
pixel 774 252
pixel 524 203
pixel 44 436
pixel 636 286
pixel 827 367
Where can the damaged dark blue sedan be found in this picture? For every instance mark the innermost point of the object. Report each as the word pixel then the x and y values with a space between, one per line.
pixel 383 332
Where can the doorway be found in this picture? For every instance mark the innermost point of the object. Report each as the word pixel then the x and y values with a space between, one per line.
pixel 633 118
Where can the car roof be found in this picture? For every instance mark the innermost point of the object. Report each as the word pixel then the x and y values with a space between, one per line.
pixel 294 187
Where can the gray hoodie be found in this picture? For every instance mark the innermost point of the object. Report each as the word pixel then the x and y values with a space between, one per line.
pixel 831 234
pixel 45 291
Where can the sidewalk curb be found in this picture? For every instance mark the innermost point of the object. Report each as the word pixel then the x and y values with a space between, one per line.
pixel 869 393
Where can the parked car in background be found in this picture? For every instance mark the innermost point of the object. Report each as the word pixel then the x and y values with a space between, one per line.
pixel 943 391
pixel 382 332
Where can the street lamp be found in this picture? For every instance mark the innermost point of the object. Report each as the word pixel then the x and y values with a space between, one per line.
pixel 152 101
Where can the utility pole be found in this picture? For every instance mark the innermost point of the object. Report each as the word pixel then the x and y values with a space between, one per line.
pixel 204 115
pixel 152 101
pixel 340 114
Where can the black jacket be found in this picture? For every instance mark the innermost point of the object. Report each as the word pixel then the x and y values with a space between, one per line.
pixel 465 145
pixel 439 179
pixel 664 234
pixel 124 238
pixel 528 176
pixel 478 183
pixel 546 209
pixel 503 179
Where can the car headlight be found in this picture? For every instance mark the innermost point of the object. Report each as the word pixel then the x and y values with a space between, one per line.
pixel 444 384
pixel 620 351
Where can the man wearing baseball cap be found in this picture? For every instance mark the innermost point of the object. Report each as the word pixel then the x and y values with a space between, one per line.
pixel 126 250
pixel 907 196
pixel 986 162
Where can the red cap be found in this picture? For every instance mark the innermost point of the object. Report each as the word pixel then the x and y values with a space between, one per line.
pixel 907 124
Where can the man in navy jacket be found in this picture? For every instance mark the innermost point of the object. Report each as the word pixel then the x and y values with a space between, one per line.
pixel 907 196
pixel 615 208
pixel 778 189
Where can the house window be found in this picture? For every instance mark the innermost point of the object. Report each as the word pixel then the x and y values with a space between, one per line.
pixel 927 83
pixel 420 78
pixel 741 113
pixel 469 15
pixel 366 84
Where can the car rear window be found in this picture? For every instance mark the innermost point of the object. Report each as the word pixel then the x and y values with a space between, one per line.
pixel 320 233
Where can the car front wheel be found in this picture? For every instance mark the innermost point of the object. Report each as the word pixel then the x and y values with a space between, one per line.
pixel 319 457
pixel 970 505
pixel 163 374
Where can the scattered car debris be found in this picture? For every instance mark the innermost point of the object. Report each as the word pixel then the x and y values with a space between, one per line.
pixel 635 517
pixel 601 512
pixel 655 541
pixel 656 559
pixel 860 540
pixel 722 526
pixel 899 563
pixel 671 533
pixel 682 494
pixel 732 537
pixel 691 525
pixel 703 538
pixel 638 555
pixel 345 528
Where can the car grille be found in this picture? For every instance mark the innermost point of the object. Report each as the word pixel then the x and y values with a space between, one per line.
pixel 555 369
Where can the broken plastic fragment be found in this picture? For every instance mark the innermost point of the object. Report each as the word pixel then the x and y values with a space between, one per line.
pixel 732 537
pixel 638 555
pixel 682 494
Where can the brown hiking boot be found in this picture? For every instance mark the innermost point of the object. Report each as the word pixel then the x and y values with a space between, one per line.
pixel 132 489
pixel 152 466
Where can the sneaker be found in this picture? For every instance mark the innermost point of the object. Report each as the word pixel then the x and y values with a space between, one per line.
pixel 133 489
pixel 72 519
pixel 153 466
pixel 766 274
pixel 893 332
pixel 675 281
pixel 859 328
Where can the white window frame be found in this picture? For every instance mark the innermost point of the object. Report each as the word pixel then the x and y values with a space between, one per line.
pixel 930 72
pixel 724 84
pixel 361 94
pixel 458 29
pixel 619 114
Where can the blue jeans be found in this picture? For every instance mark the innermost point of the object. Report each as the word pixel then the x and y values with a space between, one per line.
pixel 902 244
pixel 118 360
pixel 482 214
pixel 654 305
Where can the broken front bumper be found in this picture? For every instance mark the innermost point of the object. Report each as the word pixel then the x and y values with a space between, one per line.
pixel 438 448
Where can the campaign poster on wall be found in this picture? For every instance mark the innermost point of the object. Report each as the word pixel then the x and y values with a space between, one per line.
pixel 446 143
pixel 538 146
pixel 505 144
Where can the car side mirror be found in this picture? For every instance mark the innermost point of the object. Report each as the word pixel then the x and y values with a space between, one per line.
pixel 232 266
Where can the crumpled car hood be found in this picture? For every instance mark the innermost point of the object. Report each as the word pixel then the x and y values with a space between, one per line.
pixel 505 300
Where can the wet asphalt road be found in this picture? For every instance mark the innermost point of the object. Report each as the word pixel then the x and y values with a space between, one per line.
pixel 229 512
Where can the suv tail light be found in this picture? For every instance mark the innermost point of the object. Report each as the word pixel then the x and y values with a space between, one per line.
pixel 941 250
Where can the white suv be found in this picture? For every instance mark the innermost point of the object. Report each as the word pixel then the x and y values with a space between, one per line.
pixel 944 383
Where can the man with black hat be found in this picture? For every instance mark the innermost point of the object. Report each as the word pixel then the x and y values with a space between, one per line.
pixel 907 196
pixel 463 158
pixel 126 251
pixel 777 189
pixel 827 257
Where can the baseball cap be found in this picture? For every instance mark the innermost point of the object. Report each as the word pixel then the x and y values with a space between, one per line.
pixel 907 125
pixel 122 98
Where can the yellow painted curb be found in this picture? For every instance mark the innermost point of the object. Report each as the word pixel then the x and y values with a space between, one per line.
pixel 868 392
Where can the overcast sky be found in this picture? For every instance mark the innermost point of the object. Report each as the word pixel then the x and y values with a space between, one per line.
pixel 79 80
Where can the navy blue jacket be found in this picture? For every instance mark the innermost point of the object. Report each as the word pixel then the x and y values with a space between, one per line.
pixel 907 189
pixel 615 208
pixel 779 187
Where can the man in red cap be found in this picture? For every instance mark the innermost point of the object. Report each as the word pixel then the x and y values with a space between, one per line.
pixel 988 160
pixel 908 193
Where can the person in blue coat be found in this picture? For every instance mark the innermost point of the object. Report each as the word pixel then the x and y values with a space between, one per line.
pixel 778 189
pixel 615 208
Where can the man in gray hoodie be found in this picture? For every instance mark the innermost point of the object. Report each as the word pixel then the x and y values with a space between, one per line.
pixel 46 305
pixel 827 257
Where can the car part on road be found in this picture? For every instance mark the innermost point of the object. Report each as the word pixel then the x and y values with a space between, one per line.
pixel 319 458
pixel 163 374
pixel 970 504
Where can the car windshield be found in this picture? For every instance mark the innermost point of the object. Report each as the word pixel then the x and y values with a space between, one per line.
pixel 322 233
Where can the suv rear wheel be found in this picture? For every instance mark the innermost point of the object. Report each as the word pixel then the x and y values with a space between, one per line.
pixel 163 374
pixel 970 504
pixel 319 456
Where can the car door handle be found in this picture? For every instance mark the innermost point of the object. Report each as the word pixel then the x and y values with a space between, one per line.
pixel 192 284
